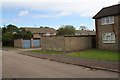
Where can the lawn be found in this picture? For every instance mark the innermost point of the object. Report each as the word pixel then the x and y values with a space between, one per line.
pixel 91 54
pixel 96 54
pixel 46 52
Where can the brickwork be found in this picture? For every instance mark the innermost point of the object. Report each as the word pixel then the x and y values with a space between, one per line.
pixel 77 43
pixel 18 43
pixel 53 43
pixel 36 35
pixel 107 29
pixel 67 44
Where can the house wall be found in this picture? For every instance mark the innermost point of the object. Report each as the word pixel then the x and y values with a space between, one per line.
pixel 119 33
pixel 100 29
pixel 36 35
pixel 66 44
pixel 18 43
pixel 53 43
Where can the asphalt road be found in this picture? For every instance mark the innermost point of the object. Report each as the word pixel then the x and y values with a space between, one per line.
pixel 20 66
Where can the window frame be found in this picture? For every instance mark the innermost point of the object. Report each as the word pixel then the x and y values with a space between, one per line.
pixel 107 20
pixel 108 37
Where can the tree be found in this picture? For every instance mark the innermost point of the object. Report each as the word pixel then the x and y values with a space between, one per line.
pixel 66 30
pixel 83 27
pixel 28 34
pixel 4 30
pixel 44 27
pixel 12 28
pixel 41 26
pixel 12 32
pixel 6 37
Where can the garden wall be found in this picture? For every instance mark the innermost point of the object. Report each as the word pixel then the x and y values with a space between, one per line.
pixel 67 43
pixel 56 43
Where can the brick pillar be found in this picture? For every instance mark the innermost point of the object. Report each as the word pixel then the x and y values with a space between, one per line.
pixel 21 42
pixel 32 42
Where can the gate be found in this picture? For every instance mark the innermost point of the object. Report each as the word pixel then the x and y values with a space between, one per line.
pixel 36 43
pixel 26 43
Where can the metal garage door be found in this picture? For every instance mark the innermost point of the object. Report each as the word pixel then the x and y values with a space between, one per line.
pixel 36 43
pixel 26 44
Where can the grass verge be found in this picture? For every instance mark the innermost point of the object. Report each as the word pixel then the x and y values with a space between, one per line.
pixel 46 52
pixel 91 54
pixel 96 54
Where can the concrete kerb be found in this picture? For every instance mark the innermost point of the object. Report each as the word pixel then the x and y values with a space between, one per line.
pixel 66 60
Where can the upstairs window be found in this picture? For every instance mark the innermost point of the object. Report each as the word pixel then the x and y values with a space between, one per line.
pixel 108 37
pixel 47 34
pixel 107 20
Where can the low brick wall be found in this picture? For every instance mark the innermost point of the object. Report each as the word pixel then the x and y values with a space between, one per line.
pixel 18 43
pixel 66 44
pixel 77 43
pixel 53 43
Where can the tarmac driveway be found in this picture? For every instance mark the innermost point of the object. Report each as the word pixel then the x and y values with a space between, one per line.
pixel 20 66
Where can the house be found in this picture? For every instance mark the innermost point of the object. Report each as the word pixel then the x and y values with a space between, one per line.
pixel 39 32
pixel 84 32
pixel 107 22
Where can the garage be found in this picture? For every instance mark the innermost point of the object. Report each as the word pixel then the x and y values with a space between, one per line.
pixel 36 43
pixel 26 43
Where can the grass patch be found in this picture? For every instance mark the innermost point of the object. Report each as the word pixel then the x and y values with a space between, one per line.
pixel 46 52
pixel 96 54
pixel 91 54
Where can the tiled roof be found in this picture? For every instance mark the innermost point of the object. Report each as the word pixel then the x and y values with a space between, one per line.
pixel 85 32
pixel 108 11
pixel 41 30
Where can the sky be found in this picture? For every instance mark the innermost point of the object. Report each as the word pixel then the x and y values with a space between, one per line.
pixel 51 13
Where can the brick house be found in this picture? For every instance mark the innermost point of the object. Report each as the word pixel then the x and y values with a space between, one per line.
pixel 38 32
pixel 107 22
pixel 84 32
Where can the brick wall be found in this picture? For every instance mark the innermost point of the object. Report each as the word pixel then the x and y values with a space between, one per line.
pixel 67 44
pixel 18 43
pixel 119 33
pixel 53 43
pixel 36 35
pixel 77 43
pixel 106 29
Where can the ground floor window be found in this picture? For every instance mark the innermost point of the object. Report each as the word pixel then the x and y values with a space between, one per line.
pixel 108 37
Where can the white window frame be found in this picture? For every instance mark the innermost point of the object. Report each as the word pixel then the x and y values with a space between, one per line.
pixel 54 33
pixel 108 37
pixel 47 34
pixel 107 20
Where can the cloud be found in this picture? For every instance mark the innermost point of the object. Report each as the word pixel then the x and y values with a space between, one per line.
pixel 23 13
pixel 10 20
pixel 54 15
pixel 75 7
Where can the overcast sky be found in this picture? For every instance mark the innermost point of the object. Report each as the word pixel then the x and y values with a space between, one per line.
pixel 52 13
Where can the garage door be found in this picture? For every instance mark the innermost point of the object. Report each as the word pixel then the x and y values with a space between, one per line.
pixel 26 44
pixel 36 43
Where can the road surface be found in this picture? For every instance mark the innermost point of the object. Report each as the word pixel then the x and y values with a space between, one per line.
pixel 20 66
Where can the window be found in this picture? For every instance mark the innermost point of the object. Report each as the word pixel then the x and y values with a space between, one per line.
pixel 47 34
pixel 108 37
pixel 54 33
pixel 107 20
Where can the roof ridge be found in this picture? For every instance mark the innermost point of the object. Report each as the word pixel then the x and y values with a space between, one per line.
pixel 111 6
